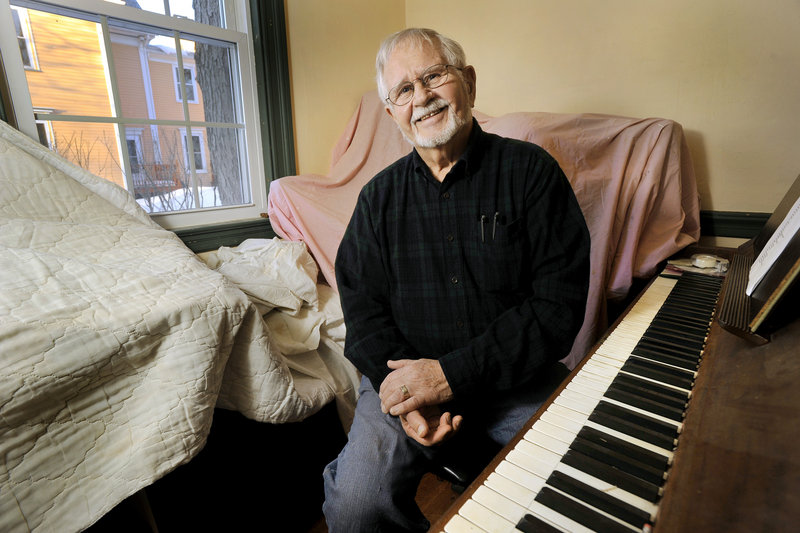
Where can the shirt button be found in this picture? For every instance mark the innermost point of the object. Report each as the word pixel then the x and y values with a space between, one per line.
pixel 454 280
pixel 450 238
pixel 446 195
pixel 460 324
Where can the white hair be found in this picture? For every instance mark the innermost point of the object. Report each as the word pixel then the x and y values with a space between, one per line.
pixel 451 51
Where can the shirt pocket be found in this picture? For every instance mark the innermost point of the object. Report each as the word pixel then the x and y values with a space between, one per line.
pixel 501 253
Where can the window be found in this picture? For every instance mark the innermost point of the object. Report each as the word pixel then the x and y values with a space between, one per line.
pixel 188 85
pixel 197 148
pixel 23 30
pixel 118 67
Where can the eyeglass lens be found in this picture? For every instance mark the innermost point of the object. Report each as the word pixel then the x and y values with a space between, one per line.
pixel 431 78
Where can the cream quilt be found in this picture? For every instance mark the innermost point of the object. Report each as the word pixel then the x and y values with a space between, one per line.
pixel 117 343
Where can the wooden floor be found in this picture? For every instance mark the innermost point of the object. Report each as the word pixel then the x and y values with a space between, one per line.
pixel 434 497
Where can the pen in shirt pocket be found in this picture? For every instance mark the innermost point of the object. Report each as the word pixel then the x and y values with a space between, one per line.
pixel 484 220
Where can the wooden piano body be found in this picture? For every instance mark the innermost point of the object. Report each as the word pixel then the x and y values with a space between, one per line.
pixel 737 463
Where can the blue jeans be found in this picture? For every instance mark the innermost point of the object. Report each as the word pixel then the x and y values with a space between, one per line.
pixel 372 484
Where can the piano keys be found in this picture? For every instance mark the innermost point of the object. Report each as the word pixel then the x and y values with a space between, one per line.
pixel 597 458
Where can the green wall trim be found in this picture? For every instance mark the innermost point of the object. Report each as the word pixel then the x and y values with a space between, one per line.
pixel 731 223
pixel 206 238
pixel 274 90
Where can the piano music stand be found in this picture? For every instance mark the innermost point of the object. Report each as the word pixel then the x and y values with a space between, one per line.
pixel 756 316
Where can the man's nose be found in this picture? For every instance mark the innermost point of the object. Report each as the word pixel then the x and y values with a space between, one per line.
pixel 421 93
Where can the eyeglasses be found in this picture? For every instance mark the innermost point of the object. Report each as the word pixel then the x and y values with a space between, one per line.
pixel 431 78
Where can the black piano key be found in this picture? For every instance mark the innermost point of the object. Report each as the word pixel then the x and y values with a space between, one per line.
pixel 678 396
pixel 677 323
pixel 642 420
pixel 634 485
pixel 633 429
pixel 670 346
pixel 673 339
pixel 658 372
pixel 579 512
pixel 685 311
pixel 618 460
pixel 687 376
pixel 673 413
pixel 694 338
pixel 532 524
pixel 599 499
pixel 661 356
pixel 656 460
pixel 650 391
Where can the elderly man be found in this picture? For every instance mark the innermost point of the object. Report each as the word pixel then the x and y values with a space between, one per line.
pixel 463 276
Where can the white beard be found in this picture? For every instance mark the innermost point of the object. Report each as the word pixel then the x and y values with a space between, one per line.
pixel 454 124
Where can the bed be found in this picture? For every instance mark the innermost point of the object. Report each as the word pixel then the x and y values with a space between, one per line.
pixel 633 178
pixel 118 342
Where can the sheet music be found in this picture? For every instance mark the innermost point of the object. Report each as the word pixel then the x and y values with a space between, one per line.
pixel 774 247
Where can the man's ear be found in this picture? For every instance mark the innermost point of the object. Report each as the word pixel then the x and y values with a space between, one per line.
pixel 469 80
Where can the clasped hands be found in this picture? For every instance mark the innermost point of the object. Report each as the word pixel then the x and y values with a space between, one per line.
pixel 414 392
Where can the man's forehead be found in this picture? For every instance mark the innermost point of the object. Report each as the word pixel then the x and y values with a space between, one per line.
pixel 410 58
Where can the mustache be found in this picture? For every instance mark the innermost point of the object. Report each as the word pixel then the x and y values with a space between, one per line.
pixel 435 105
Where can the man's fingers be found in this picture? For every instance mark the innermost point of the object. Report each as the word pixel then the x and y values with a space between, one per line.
pixel 417 423
pixel 406 406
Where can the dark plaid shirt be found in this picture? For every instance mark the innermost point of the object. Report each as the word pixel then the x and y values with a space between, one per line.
pixel 487 271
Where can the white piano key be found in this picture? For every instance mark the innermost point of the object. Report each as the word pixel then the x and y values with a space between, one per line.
pixel 546 441
pixel 598 368
pixel 561 421
pixel 459 524
pixel 498 503
pixel 613 362
pixel 554 431
pixel 544 455
pixel 520 476
pixel 566 412
pixel 577 401
pixel 485 518
pixel 531 463
pixel 590 382
pixel 511 490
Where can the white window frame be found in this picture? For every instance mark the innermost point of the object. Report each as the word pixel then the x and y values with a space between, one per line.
pixel 25 25
pixel 187 83
pixel 237 19
pixel 201 144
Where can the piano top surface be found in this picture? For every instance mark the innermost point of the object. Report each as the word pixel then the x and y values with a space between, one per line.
pixel 737 466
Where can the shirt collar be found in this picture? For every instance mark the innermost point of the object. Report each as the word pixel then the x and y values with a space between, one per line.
pixel 467 161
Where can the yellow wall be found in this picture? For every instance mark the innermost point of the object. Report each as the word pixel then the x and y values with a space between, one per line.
pixel 332 46
pixel 727 70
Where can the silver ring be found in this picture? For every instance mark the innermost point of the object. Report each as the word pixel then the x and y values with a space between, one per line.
pixel 404 390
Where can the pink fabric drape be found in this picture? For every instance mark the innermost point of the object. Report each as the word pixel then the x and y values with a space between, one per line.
pixel 633 179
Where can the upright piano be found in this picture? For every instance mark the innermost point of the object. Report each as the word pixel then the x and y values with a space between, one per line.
pixel 670 424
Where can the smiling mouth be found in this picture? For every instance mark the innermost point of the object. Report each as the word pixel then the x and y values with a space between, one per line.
pixel 429 115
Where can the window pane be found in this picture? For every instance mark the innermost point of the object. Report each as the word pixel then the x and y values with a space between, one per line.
pixel 161 181
pixel 165 110
pixel 89 145
pixel 211 65
pixel 205 11
pixel 72 78
pixel 224 166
